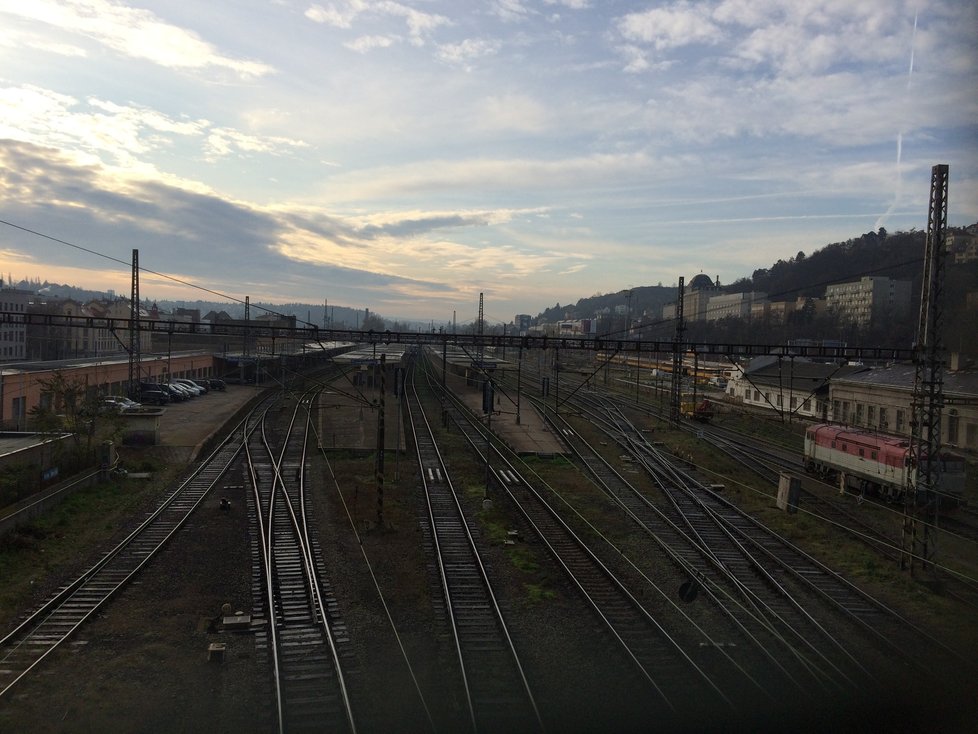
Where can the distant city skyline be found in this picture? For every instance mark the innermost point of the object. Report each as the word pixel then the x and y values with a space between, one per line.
pixel 406 156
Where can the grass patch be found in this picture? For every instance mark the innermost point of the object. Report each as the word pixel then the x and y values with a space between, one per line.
pixel 52 547
pixel 537 593
pixel 523 559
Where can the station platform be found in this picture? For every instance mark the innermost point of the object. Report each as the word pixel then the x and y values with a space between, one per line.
pixel 531 436
pixel 345 422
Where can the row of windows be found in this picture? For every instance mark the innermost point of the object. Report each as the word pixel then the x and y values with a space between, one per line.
pixel 877 417
pixel 777 400
pixel 4 306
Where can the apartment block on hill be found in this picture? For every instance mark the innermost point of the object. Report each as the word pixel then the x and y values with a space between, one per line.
pixel 869 300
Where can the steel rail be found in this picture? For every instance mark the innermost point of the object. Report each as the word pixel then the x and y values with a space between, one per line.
pixel 67 610
pixel 277 511
pixel 547 524
pixel 451 534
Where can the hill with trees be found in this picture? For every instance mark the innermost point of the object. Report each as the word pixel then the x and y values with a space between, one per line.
pixel 898 255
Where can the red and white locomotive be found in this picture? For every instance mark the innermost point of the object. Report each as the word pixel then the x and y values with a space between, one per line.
pixel 873 463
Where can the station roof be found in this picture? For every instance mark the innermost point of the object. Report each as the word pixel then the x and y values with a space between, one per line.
pixel 11 441
pixel 902 376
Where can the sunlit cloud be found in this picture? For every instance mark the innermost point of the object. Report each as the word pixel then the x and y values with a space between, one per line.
pixel 133 32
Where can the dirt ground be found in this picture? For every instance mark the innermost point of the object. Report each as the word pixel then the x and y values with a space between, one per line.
pixel 142 665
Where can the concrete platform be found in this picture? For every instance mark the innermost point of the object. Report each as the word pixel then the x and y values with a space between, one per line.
pixel 186 426
pixel 531 436
pixel 345 423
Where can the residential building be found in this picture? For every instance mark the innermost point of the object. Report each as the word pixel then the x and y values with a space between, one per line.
pixel 733 305
pixel 869 300
pixel 696 299
pixel 13 331
pixel 962 246
pixel 792 386
pixel 881 400
pixel 91 338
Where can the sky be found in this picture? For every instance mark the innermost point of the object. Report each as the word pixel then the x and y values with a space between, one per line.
pixel 407 155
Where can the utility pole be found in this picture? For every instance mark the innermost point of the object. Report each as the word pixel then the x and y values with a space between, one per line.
pixel 923 492
pixel 481 331
pixel 677 354
pixel 380 441
pixel 134 341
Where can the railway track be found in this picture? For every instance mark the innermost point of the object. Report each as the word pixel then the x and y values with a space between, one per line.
pixel 303 630
pixel 660 656
pixel 769 554
pixel 497 695
pixel 24 649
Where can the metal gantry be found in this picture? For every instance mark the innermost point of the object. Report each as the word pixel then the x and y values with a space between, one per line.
pixel 678 349
pixel 134 329
pixel 928 390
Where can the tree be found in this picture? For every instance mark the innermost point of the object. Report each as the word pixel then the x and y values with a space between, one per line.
pixel 372 322
pixel 68 405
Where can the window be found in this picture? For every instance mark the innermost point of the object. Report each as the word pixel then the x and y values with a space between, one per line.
pixel 807 406
pixel 845 411
pixel 883 423
pixel 859 414
pixel 900 420
pixel 952 426
pixel 874 455
pixel 971 434
pixel 870 415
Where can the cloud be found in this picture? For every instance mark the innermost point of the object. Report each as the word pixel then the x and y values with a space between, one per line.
pixel 510 10
pixel 486 175
pixel 227 245
pixel 679 24
pixel 468 49
pixel 122 135
pixel 508 112
pixel 343 15
pixel 133 32
pixel 363 44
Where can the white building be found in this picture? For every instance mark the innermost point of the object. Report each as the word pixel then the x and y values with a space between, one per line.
pixel 869 300
pixel 736 305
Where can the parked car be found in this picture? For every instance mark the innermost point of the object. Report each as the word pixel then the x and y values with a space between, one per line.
pixel 153 393
pixel 118 403
pixel 203 385
pixel 217 384
pixel 187 385
pixel 176 393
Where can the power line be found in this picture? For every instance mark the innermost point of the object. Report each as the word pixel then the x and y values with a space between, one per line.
pixel 142 269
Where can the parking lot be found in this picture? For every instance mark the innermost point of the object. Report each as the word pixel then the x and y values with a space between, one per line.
pixel 189 423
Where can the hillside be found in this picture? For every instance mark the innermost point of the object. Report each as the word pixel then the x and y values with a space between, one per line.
pixel 896 255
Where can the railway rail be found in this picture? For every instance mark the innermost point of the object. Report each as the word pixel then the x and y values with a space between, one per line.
pixel 497 694
pixel 303 630
pixel 659 654
pixel 766 552
pixel 24 648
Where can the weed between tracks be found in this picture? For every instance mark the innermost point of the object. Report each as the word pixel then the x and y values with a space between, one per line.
pixel 39 555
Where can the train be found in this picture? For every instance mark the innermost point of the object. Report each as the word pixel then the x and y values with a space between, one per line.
pixel 702 411
pixel 874 463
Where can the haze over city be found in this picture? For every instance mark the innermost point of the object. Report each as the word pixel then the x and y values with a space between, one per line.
pixel 406 156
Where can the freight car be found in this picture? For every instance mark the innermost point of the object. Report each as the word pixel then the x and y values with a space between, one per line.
pixel 874 463
pixel 702 411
